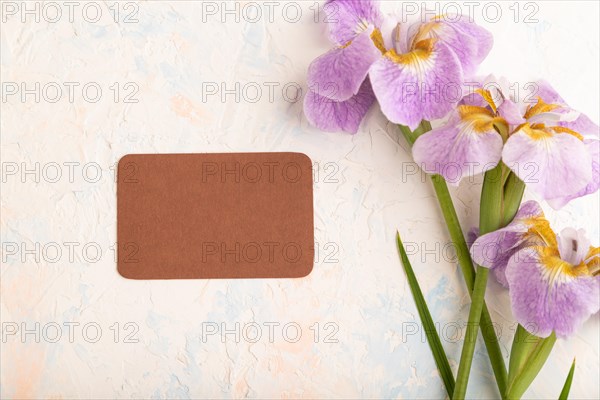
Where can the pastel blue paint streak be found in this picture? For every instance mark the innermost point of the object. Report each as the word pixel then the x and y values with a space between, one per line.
pixel 155 322
pixel 97 31
pixel 254 36
pixel 177 390
pixel 141 65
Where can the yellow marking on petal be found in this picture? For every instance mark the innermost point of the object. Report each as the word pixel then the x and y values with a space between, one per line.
pixel 562 129
pixel 541 232
pixel 420 53
pixel 346 44
pixel 425 45
pixel 426 31
pixel 557 269
pixel 467 111
pixel 377 39
pixel 519 127
pixel 535 131
pixel 540 131
pixel 539 108
pixel 593 252
pixel 592 260
pixel 479 119
pixel 487 96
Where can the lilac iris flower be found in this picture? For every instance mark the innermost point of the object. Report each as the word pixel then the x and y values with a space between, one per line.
pixel 551 147
pixel 553 280
pixel 340 93
pixel 419 77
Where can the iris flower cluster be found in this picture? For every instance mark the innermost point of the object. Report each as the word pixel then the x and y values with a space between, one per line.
pixel 554 280
pixel 425 71
pixel 547 144
pixel 415 74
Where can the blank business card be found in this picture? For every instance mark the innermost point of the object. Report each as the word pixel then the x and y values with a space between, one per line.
pixel 210 216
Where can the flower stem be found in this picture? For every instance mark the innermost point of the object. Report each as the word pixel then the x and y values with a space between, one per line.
pixel 411 136
pixel 466 264
pixel 499 204
pixel 513 194
pixel 464 261
pixel 490 219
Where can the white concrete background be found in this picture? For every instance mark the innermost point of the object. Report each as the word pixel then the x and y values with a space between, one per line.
pixel 169 53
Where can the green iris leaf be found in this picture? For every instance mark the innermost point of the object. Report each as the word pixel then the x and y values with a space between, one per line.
pixel 441 360
pixel 564 394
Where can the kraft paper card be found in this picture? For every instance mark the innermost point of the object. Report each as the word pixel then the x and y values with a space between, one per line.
pixel 207 216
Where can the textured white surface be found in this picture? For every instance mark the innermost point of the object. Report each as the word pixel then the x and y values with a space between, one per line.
pixel 362 195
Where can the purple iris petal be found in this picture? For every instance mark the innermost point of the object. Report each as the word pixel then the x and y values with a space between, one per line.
pixel 593 147
pixel 470 42
pixel 494 250
pixel 582 125
pixel 456 150
pixel 340 73
pixel 547 92
pixel 348 18
pixel 553 164
pixel 511 112
pixel 550 278
pixel 423 84
pixel 472 236
pixel 548 294
pixel 333 116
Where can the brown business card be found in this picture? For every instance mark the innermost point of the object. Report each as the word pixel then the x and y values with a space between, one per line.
pixel 207 216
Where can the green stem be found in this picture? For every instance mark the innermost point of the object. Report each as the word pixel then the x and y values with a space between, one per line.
pixel 456 234
pixel 464 261
pixel 466 265
pixel 466 357
pixel 522 344
pixel 411 136
pixel 491 218
pixel 501 196
pixel 513 194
